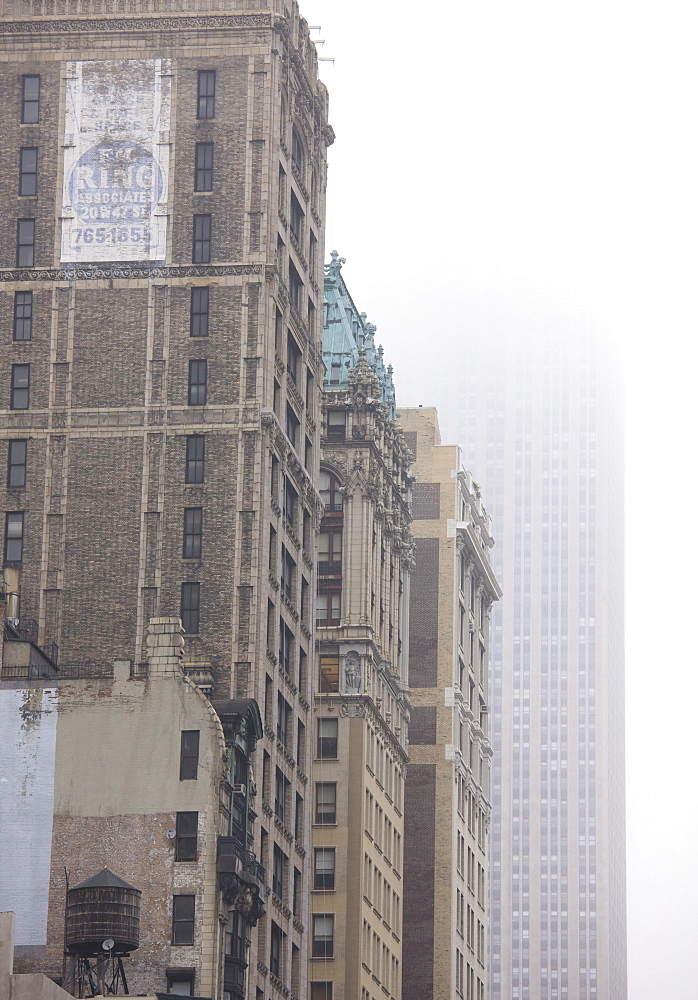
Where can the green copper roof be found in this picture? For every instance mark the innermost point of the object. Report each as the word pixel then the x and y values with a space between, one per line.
pixel 346 331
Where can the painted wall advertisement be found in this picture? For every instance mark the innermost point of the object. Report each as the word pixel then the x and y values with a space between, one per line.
pixel 116 164
pixel 28 721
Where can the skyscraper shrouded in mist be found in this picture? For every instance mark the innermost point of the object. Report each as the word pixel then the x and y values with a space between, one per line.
pixel 541 419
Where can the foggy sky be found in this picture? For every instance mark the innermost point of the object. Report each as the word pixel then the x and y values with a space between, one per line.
pixel 538 161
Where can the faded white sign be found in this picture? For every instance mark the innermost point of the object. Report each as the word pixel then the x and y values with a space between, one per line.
pixel 116 160
pixel 27 770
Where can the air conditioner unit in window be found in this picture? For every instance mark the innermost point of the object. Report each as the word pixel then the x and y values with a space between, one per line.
pixel 239 789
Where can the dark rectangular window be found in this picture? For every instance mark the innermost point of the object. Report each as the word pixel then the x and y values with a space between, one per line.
pixel 328 608
pixel 324 868
pixel 327 737
pixel 25 243
pixel 19 395
pixel 280 795
pixel 297 217
pixel 196 454
pixel 275 950
pixel 206 104
pixel 198 318
pixel 14 536
pixel 201 249
pixel 190 607
pixel 336 425
pixel 296 151
pixel 235 935
pixel 286 649
pixel 293 356
pixel 28 163
pixel 16 464
pixel 326 802
pixel 323 935
pixel 189 755
pixel 30 99
pixel 279 872
pixel 198 371
pixel 193 523
pixel 321 991
pixel 181 982
pixel 23 316
pixel 292 425
pixel 186 836
pixel 288 572
pixel 290 502
pixel 283 720
pixel 295 285
pixel 183 909
pixel 203 167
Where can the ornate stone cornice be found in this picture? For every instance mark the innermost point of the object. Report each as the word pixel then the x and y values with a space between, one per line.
pixel 110 269
pixel 40 26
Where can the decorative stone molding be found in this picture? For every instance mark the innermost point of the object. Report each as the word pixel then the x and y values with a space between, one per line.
pixel 125 270
pixel 40 26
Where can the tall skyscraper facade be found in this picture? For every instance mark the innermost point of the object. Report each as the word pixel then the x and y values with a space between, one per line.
pixel 540 417
pixel 361 704
pixel 447 806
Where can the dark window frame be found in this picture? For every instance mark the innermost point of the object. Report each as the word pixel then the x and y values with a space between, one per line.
pixel 17 462
pixel 276 944
pixel 294 355
pixel 189 754
pixel 327 746
pixel 190 610
pixel 336 429
pixel 193 524
pixel 324 880
pixel 199 311
pixel 30 103
pixel 183 919
pixel 20 388
pixel 198 382
pixel 23 315
pixel 293 425
pixel 201 239
pixel 14 540
pixel 331 615
pixel 28 176
pixel 297 219
pixel 323 947
pixel 284 713
pixel 26 247
pixel 186 841
pixel 297 151
pixel 206 94
pixel 195 460
pixel 203 167
pixel 295 285
pixel 322 817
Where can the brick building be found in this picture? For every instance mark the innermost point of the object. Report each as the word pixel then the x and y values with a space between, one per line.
pixel 134 771
pixel 160 280
pixel 361 702
pixel 447 800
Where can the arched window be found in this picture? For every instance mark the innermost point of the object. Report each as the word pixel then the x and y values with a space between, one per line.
pixel 297 154
pixel 329 492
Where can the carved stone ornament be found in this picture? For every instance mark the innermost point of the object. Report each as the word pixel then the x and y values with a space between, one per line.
pixel 41 26
pixel 353 711
pixel 121 269
pixel 352 671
